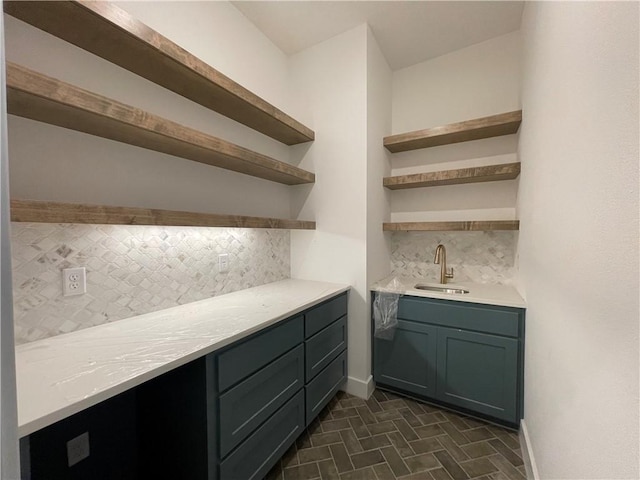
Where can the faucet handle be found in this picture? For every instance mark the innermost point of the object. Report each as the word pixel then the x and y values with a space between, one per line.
pixel 449 274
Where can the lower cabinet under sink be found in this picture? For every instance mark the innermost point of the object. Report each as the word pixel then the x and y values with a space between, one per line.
pixel 461 355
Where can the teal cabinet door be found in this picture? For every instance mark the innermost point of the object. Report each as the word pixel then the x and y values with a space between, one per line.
pixel 407 362
pixel 478 371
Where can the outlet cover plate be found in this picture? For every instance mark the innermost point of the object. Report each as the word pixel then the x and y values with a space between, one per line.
pixel 78 449
pixel 223 262
pixel 74 281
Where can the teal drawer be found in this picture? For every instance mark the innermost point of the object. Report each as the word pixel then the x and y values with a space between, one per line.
pixel 244 407
pixel 252 354
pixel 326 384
pixel 324 346
pixel 468 316
pixel 261 451
pixel 324 314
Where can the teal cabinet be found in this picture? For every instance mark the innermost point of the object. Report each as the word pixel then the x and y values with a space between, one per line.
pixel 324 386
pixel 324 314
pixel 325 354
pixel 457 354
pixel 409 361
pixel 324 346
pixel 478 372
pixel 247 356
pixel 254 458
pixel 272 384
pixel 248 404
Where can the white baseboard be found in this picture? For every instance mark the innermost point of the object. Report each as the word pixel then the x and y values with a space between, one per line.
pixel 359 388
pixel 527 453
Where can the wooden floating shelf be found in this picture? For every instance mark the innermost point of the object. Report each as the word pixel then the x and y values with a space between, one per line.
pixel 56 212
pixel 38 97
pixel 111 33
pixel 490 173
pixel 451 226
pixel 486 127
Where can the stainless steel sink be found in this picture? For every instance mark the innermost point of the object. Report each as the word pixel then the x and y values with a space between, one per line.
pixel 443 289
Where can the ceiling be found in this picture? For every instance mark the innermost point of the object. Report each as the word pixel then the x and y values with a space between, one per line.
pixel 408 32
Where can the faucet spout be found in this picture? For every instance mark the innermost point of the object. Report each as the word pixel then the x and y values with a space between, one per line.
pixel 441 258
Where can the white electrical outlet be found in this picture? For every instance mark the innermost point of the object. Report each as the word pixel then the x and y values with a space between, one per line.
pixel 78 449
pixel 223 262
pixel 74 281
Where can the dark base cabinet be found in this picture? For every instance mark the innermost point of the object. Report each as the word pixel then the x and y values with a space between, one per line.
pixel 112 434
pixel 229 415
pixel 460 355
pixel 174 439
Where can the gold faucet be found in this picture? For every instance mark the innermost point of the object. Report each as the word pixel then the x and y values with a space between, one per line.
pixel 441 258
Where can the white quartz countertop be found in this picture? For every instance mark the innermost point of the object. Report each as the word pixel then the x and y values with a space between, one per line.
pixel 502 295
pixel 62 375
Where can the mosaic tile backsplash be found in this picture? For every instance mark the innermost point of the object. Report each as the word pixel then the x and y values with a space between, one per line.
pixel 481 257
pixel 132 270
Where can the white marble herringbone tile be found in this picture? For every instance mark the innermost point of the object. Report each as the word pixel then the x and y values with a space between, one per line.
pixel 132 270
pixel 481 257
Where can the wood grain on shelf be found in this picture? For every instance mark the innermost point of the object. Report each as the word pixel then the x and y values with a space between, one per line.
pixel 57 212
pixel 486 127
pixel 38 97
pixel 111 33
pixel 451 226
pixel 490 173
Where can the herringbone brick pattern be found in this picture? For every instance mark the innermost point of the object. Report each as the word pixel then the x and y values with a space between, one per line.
pixel 389 437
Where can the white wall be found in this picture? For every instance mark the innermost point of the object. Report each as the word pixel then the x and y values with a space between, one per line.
pixel 378 203
pixel 330 81
pixel 477 81
pixel 220 35
pixel 578 245
pixel 51 163
pixel 378 166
